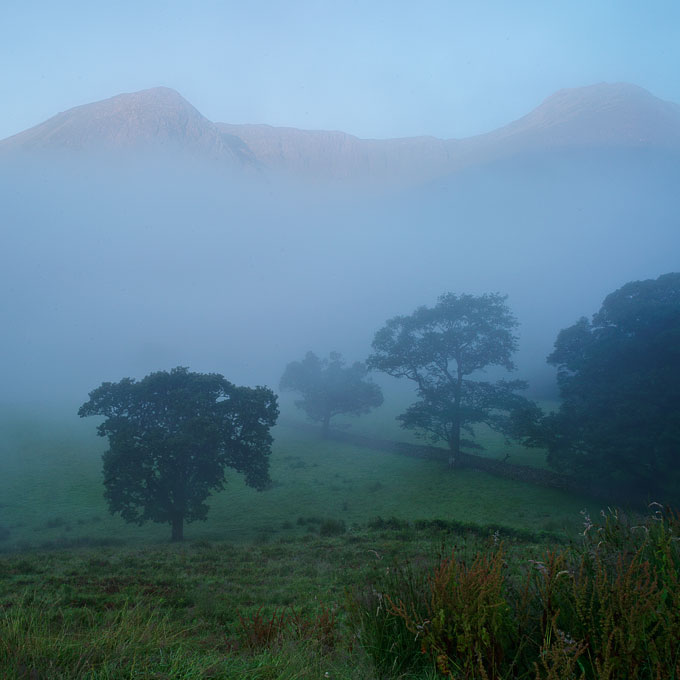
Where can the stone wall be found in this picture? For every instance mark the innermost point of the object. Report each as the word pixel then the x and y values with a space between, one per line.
pixel 522 473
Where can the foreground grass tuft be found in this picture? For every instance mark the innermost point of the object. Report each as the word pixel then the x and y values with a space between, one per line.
pixel 602 609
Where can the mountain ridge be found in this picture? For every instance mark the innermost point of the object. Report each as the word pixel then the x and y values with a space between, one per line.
pixel 159 119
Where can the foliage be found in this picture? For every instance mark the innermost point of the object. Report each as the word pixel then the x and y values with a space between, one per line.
pixel 171 436
pixel 331 388
pixel 438 348
pixel 619 378
pixel 603 609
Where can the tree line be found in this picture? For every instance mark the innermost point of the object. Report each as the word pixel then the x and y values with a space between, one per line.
pixel 172 435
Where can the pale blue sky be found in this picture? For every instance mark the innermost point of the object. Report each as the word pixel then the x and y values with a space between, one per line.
pixel 372 68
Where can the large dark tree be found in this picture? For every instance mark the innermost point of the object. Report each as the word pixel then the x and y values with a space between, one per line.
pixel 171 436
pixel 329 387
pixel 440 348
pixel 619 378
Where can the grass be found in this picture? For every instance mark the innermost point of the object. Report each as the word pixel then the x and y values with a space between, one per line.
pixel 198 610
pixel 364 604
pixel 383 423
pixel 51 492
pixel 271 586
pixel 603 608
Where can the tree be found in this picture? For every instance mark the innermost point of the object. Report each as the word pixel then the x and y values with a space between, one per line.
pixel 438 348
pixel 329 388
pixel 619 379
pixel 171 436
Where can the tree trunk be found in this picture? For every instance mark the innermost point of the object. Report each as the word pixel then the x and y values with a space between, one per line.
pixel 177 529
pixel 454 446
pixel 454 441
pixel 326 426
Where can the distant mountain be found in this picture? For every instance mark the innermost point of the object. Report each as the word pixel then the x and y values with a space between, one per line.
pixel 598 116
pixel 149 121
pixel 603 116
pixel 336 155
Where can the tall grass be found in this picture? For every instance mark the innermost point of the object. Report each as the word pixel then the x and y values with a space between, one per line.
pixel 605 608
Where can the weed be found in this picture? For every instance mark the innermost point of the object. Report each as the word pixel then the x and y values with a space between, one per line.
pixel 385 637
pixel 265 631
pixel 603 609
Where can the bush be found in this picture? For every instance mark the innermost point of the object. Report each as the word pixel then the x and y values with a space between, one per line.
pixel 332 527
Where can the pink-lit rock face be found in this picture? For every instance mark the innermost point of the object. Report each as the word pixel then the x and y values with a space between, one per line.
pixel 604 115
pixel 152 120
pixel 599 115
pixel 161 120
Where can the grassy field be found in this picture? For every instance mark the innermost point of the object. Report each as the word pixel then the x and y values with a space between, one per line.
pixel 264 588
pixel 204 609
pixel 51 491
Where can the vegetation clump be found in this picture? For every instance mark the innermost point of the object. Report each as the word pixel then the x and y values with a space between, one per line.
pixel 605 608
pixel 619 379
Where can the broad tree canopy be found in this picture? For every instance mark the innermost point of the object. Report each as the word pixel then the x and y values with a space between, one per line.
pixel 438 348
pixel 171 437
pixel 619 378
pixel 329 387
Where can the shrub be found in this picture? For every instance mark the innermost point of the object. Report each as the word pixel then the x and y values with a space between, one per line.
pixel 468 624
pixel 332 527
pixel 390 523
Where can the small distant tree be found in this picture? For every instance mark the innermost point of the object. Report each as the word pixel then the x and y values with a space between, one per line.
pixel 439 348
pixel 171 436
pixel 619 379
pixel 329 387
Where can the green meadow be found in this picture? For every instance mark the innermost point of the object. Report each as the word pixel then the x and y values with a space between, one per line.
pixel 51 489
pixel 275 584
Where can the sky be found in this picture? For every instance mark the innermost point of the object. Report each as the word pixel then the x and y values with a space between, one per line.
pixel 378 69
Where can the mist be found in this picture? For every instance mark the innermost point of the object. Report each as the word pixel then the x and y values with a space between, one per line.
pixel 117 269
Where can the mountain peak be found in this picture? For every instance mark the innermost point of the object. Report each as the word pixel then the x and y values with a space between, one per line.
pixel 152 120
pixel 151 97
pixel 600 114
